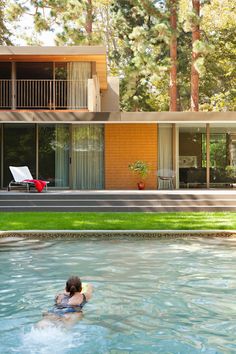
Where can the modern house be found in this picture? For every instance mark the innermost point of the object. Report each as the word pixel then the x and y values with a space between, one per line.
pixel 59 115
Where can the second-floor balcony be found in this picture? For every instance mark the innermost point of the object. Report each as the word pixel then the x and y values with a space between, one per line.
pixel 35 85
pixel 43 94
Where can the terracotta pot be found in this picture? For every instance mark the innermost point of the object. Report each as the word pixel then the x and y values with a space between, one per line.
pixel 141 185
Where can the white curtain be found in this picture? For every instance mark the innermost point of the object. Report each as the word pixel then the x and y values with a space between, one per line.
pixel 62 156
pixel 87 156
pixel 77 87
pixel 165 148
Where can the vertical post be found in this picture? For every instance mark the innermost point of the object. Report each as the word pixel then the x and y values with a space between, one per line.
pixel 50 94
pixel 90 93
pixel 54 87
pixel 2 155
pixel 71 156
pixel 13 85
pixel 174 154
pixel 158 137
pixel 208 162
pixel 37 151
pixel 176 132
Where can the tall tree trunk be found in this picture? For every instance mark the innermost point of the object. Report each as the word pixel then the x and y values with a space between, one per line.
pixel 194 73
pixel 89 20
pixel 173 56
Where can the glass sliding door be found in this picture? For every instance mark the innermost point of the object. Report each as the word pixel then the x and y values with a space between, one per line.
pixel 53 147
pixel 88 156
pixel 1 160
pixel 222 155
pixel 192 156
pixel 19 148
pixel 62 155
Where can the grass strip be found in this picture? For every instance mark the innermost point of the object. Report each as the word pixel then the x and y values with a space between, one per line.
pixel 117 221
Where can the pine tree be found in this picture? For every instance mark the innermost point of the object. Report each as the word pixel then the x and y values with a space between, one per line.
pixel 195 55
pixel 4 32
pixel 173 56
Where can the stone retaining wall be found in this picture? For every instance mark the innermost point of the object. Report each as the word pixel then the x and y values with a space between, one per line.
pixel 117 234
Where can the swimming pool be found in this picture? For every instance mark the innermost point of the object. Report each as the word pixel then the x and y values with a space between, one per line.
pixel 150 296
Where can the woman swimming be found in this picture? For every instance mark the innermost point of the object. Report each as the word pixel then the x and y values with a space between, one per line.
pixel 69 304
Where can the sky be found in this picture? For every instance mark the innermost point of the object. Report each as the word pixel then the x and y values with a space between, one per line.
pixel 26 26
pixel 46 37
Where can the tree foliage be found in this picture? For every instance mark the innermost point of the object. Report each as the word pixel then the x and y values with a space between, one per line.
pixel 137 35
pixel 143 35
pixel 4 31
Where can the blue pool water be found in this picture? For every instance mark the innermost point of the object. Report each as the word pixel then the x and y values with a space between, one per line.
pixel 150 296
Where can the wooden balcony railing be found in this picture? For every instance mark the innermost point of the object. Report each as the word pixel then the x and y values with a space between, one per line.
pixel 43 94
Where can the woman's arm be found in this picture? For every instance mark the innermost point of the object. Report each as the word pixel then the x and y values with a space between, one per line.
pixel 88 291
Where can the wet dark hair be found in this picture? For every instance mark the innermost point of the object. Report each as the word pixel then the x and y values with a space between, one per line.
pixel 73 285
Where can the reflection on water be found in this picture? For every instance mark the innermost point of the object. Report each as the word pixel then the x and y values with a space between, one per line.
pixel 150 296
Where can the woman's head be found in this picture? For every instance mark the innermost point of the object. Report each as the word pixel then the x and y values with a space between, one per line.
pixel 73 285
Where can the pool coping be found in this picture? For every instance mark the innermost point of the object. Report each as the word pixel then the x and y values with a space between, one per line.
pixel 117 233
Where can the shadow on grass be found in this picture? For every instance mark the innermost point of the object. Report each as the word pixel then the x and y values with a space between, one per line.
pixel 117 221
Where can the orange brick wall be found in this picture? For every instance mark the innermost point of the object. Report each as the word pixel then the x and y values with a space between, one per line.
pixel 124 144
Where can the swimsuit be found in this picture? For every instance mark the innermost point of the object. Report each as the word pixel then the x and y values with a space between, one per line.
pixel 64 307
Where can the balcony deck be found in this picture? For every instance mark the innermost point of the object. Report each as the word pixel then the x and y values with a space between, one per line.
pixel 43 94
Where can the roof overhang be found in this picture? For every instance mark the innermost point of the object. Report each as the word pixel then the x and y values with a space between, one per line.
pixel 52 50
pixel 67 116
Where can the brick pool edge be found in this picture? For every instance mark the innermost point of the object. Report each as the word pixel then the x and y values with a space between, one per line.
pixel 117 233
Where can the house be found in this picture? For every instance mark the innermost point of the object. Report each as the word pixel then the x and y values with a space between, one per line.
pixel 59 115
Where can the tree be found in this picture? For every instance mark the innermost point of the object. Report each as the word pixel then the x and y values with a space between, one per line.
pixel 71 20
pixel 4 31
pixel 143 37
pixel 195 55
pixel 218 84
pixel 173 56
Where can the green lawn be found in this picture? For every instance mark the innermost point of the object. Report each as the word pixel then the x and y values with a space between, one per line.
pixel 117 221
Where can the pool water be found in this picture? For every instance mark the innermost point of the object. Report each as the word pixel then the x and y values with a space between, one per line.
pixel 150 296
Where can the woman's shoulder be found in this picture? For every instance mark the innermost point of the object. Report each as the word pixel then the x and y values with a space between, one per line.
pixel 76 299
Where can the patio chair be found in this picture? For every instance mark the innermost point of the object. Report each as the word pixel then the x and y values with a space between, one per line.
pixel 22 177
pixel 165 179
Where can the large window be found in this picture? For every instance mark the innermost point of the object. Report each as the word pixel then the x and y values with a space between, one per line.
pixel 19 148
pixel 222 155
pixel 63 154
pixel 192 156
pixel 54 154
pixel 196 170
pixel 87 156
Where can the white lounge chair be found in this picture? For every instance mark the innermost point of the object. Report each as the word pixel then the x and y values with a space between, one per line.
pixel 20 174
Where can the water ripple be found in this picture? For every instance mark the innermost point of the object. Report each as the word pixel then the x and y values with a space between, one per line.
pixel 155 296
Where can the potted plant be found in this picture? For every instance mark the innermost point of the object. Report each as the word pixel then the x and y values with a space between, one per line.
pixel 142 169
